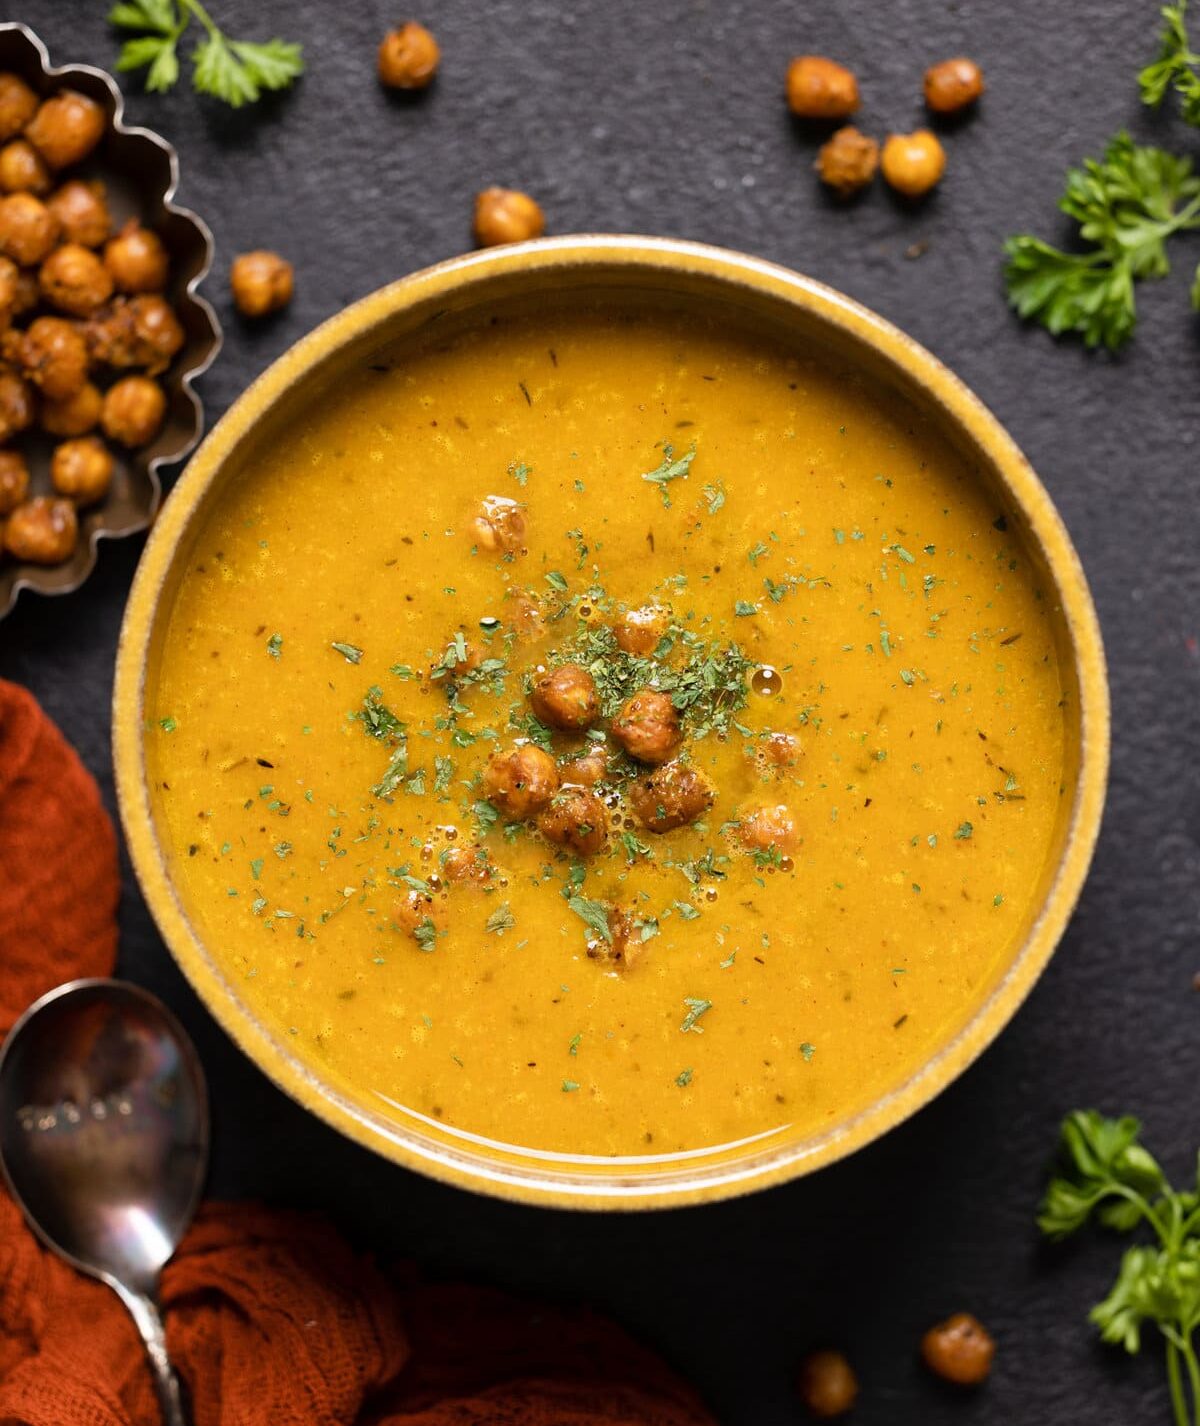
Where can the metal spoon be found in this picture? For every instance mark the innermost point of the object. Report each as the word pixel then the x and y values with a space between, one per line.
pixel 104 1142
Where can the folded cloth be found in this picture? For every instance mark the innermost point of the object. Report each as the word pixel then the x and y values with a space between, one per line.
pixel 272 1318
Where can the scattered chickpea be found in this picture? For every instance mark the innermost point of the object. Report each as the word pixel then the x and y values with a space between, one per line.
pixel 82 469
pixel 769 828
pixel 827 1384
pixel 408 57
pixel 133 410
pixel 54 356
pixel 27 292
pixel 672 796
pixel 136 259
pixel 42 531
pixel 465 864
pixel 66 127
pixel 23 169
pixel 565 698
pixel 499 525
pixel 418 909
pixel 82 210
pixel 639 630
pixel 505 215
pixel 28 229
pixel 647 726
pixel 74 280
pixel 74 415
pixel 136 331
pixel 10 277
pixel 953 84
pixel 588 769
pixel 576 819
pixel 521 781
pixel 14 480
pixel 16 404
pixel 18 104
pixel 261 281
pixel 819 88
pixel 960 1349
pixel 847 161
pixel 913 163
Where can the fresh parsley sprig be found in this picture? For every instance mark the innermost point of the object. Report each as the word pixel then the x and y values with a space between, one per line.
pixel 1127 205
pixel 1110 1177
pixel 237 71
pixel 1177 66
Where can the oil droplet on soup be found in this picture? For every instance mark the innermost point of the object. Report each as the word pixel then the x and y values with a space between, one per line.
pixel 737 912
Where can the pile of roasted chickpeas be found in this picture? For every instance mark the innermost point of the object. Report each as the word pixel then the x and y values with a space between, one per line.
pixel 821 89
pixel 84 325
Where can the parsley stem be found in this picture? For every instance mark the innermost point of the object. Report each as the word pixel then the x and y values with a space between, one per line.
pixel 194 7
pixel 1178 1401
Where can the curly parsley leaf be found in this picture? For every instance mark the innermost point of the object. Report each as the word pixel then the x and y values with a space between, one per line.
pixel 670 469
pixel 1177 66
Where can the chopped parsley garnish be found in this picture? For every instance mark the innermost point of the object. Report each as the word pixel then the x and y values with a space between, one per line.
pixel 426 935
pixel 743 609
pixel 394 774
pixel 347 651
pixel 757 552
pixel 670 469
pixel 963 831
pixel 557 581
pixel 695 1009
pixel 715 495
pixel 275 645
pixel 168 724
pixel 573 1045
pixel 683 1078
pixel 594 915
pixel 443 772
pixel 520 472
pixel 569 1086
pixel 377 719
pixel 282 849
pixel 500 920
pixel 808 1051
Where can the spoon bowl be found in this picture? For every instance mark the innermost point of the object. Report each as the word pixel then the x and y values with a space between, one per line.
pixel 104 1140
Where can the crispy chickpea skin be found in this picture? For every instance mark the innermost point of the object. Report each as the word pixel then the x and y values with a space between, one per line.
pixel 465 864
pixel 819 88
pixel 54 356
pixel 576 819
pixel 499 525
pixel 23 169
pixel 769 828
pixel 18 104
pixel 506 215
pixel 847 162
pixel 621 948
pixel 66 127
pixel 639 630
pixel 261 282
pixel 960 1349
pixel 82 210
pixel 136 331
pixel 16 404
pixel 672 796
pixel 10 279
pixel 521 781
pixel 74 280
pixel 415 913
pixel 133 410
pixel 136 259
pixel 42 531
pixel 28 229
pixel 82 469
pixel 827 1384
pixel 953 84
pixel 408 57
pixel 647 727
pixel 73 415
pixel 14 480
pixel 565 698
pixel 913 163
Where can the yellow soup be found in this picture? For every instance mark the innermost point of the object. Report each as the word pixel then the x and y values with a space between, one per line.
pixel 850 639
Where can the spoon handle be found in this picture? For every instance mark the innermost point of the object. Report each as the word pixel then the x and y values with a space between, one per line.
pixel 144 1311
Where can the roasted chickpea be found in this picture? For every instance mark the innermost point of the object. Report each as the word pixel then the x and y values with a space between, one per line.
pixel 82 469
pixel 847 162
pixel 27 291
pixel 620 947
pixel 136 331
pixel 521 781
pixel 647 727
pixel 74 280
pixel 960 1349
pixel 18 104
pixel 418 915
pixel 10 277
pixel 565 698
pixel 54 356
pixel 522 613
pixel 588 768
pixel 672 796
pixel 16 403
pixel 827 1384
pixel 953 84
pixel 576 819
pixel 73 415
pixel 133 410
pixel 136 259
pixel 261 282
pixel 42 531
pixel 465 864
pixel 819 88
pixel 23 169
pixel 499 526
pixel 408 57
pixel 639 630
pixel 14 480
pixel 66 127
pixel 913 163
pixel 82 210
pixel 769 829
pixel 28 229
pixel 505 215
pixel 779 751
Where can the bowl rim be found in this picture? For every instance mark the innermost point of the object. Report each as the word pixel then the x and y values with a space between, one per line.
pixel 494 1173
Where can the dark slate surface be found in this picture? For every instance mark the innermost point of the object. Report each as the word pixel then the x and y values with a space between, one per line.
pixel 666 117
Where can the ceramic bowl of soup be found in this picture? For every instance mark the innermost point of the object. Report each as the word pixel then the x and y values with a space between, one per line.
pixel 610 723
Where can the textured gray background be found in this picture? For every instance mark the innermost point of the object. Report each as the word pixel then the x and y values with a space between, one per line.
pixel 665 116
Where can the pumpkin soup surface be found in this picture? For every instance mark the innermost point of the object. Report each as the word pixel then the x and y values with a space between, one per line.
pixel 559 937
